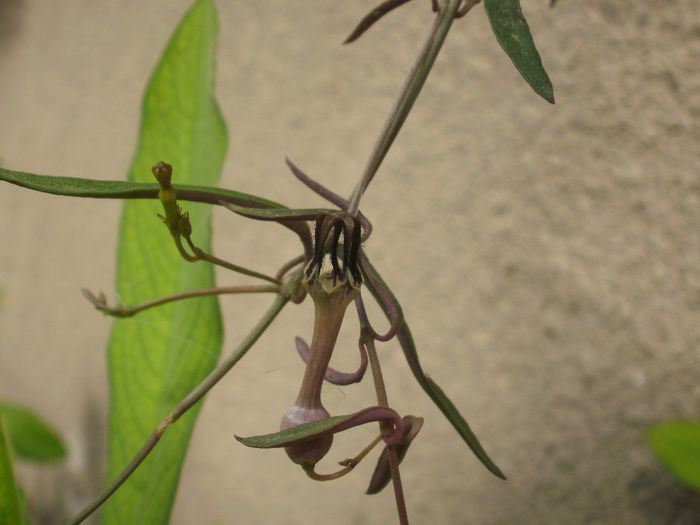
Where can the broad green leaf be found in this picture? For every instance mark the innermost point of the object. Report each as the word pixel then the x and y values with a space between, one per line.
pixel 429 386
pixel 512 32
pixel 11 512
pixel 30 438
pixel 315 429
pixel 23 507
pixel 155 359
pixel 677 445
pixel 113 189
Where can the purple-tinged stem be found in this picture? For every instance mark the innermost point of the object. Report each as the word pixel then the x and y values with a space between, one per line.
pixel 407 96
pixel 382 400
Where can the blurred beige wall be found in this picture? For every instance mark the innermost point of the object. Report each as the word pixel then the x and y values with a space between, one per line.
pixel 547 257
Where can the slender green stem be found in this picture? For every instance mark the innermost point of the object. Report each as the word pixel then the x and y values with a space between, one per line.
pixel 128 311
pixel 236 268
pixel 201 255
pixel 187 403
pixel 407 96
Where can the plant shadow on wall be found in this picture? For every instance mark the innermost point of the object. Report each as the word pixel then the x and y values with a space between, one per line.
pixel 156 379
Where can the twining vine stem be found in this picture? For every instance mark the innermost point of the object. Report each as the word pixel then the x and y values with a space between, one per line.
pixel 128 311
pixel 398 113
pixel 367 339
pixel 408 94
pixel 192 398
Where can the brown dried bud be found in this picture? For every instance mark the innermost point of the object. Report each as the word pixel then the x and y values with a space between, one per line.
pixel 163 173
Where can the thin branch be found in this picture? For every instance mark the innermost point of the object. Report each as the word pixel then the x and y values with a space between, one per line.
pixel 393 456
pixel 201 255
pixel 347 464
pixel 191 399
pixel 119 310
pixel 382 400
pixel 407 96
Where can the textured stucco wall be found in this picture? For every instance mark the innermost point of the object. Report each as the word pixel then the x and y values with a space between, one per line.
pixel 547 257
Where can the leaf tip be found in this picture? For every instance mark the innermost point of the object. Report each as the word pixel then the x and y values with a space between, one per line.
pixel 549 96
pixel 498 473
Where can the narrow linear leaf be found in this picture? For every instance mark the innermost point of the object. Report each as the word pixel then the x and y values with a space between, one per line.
pixel 156 359
pixel 512 32
pixel 677 445
pixel 372 17
pixel 29 437
pixel 118 189
pixel 305 214
pixel 330 425
pixel 443 402
pixel 113 189
pixel 429 386
pixel 304 432
pixel 11 512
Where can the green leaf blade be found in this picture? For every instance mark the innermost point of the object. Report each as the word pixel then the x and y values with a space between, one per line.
pixel 303 214
pixel 443 402
pixel 119 189
pixel 321 427
pixel 11 511
pixel 112 189
pixel 77 187
pixel 677 445
pixel 160 356
pixel 513 34
pixel 295 434
pixel 29 437
pixel 449 410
